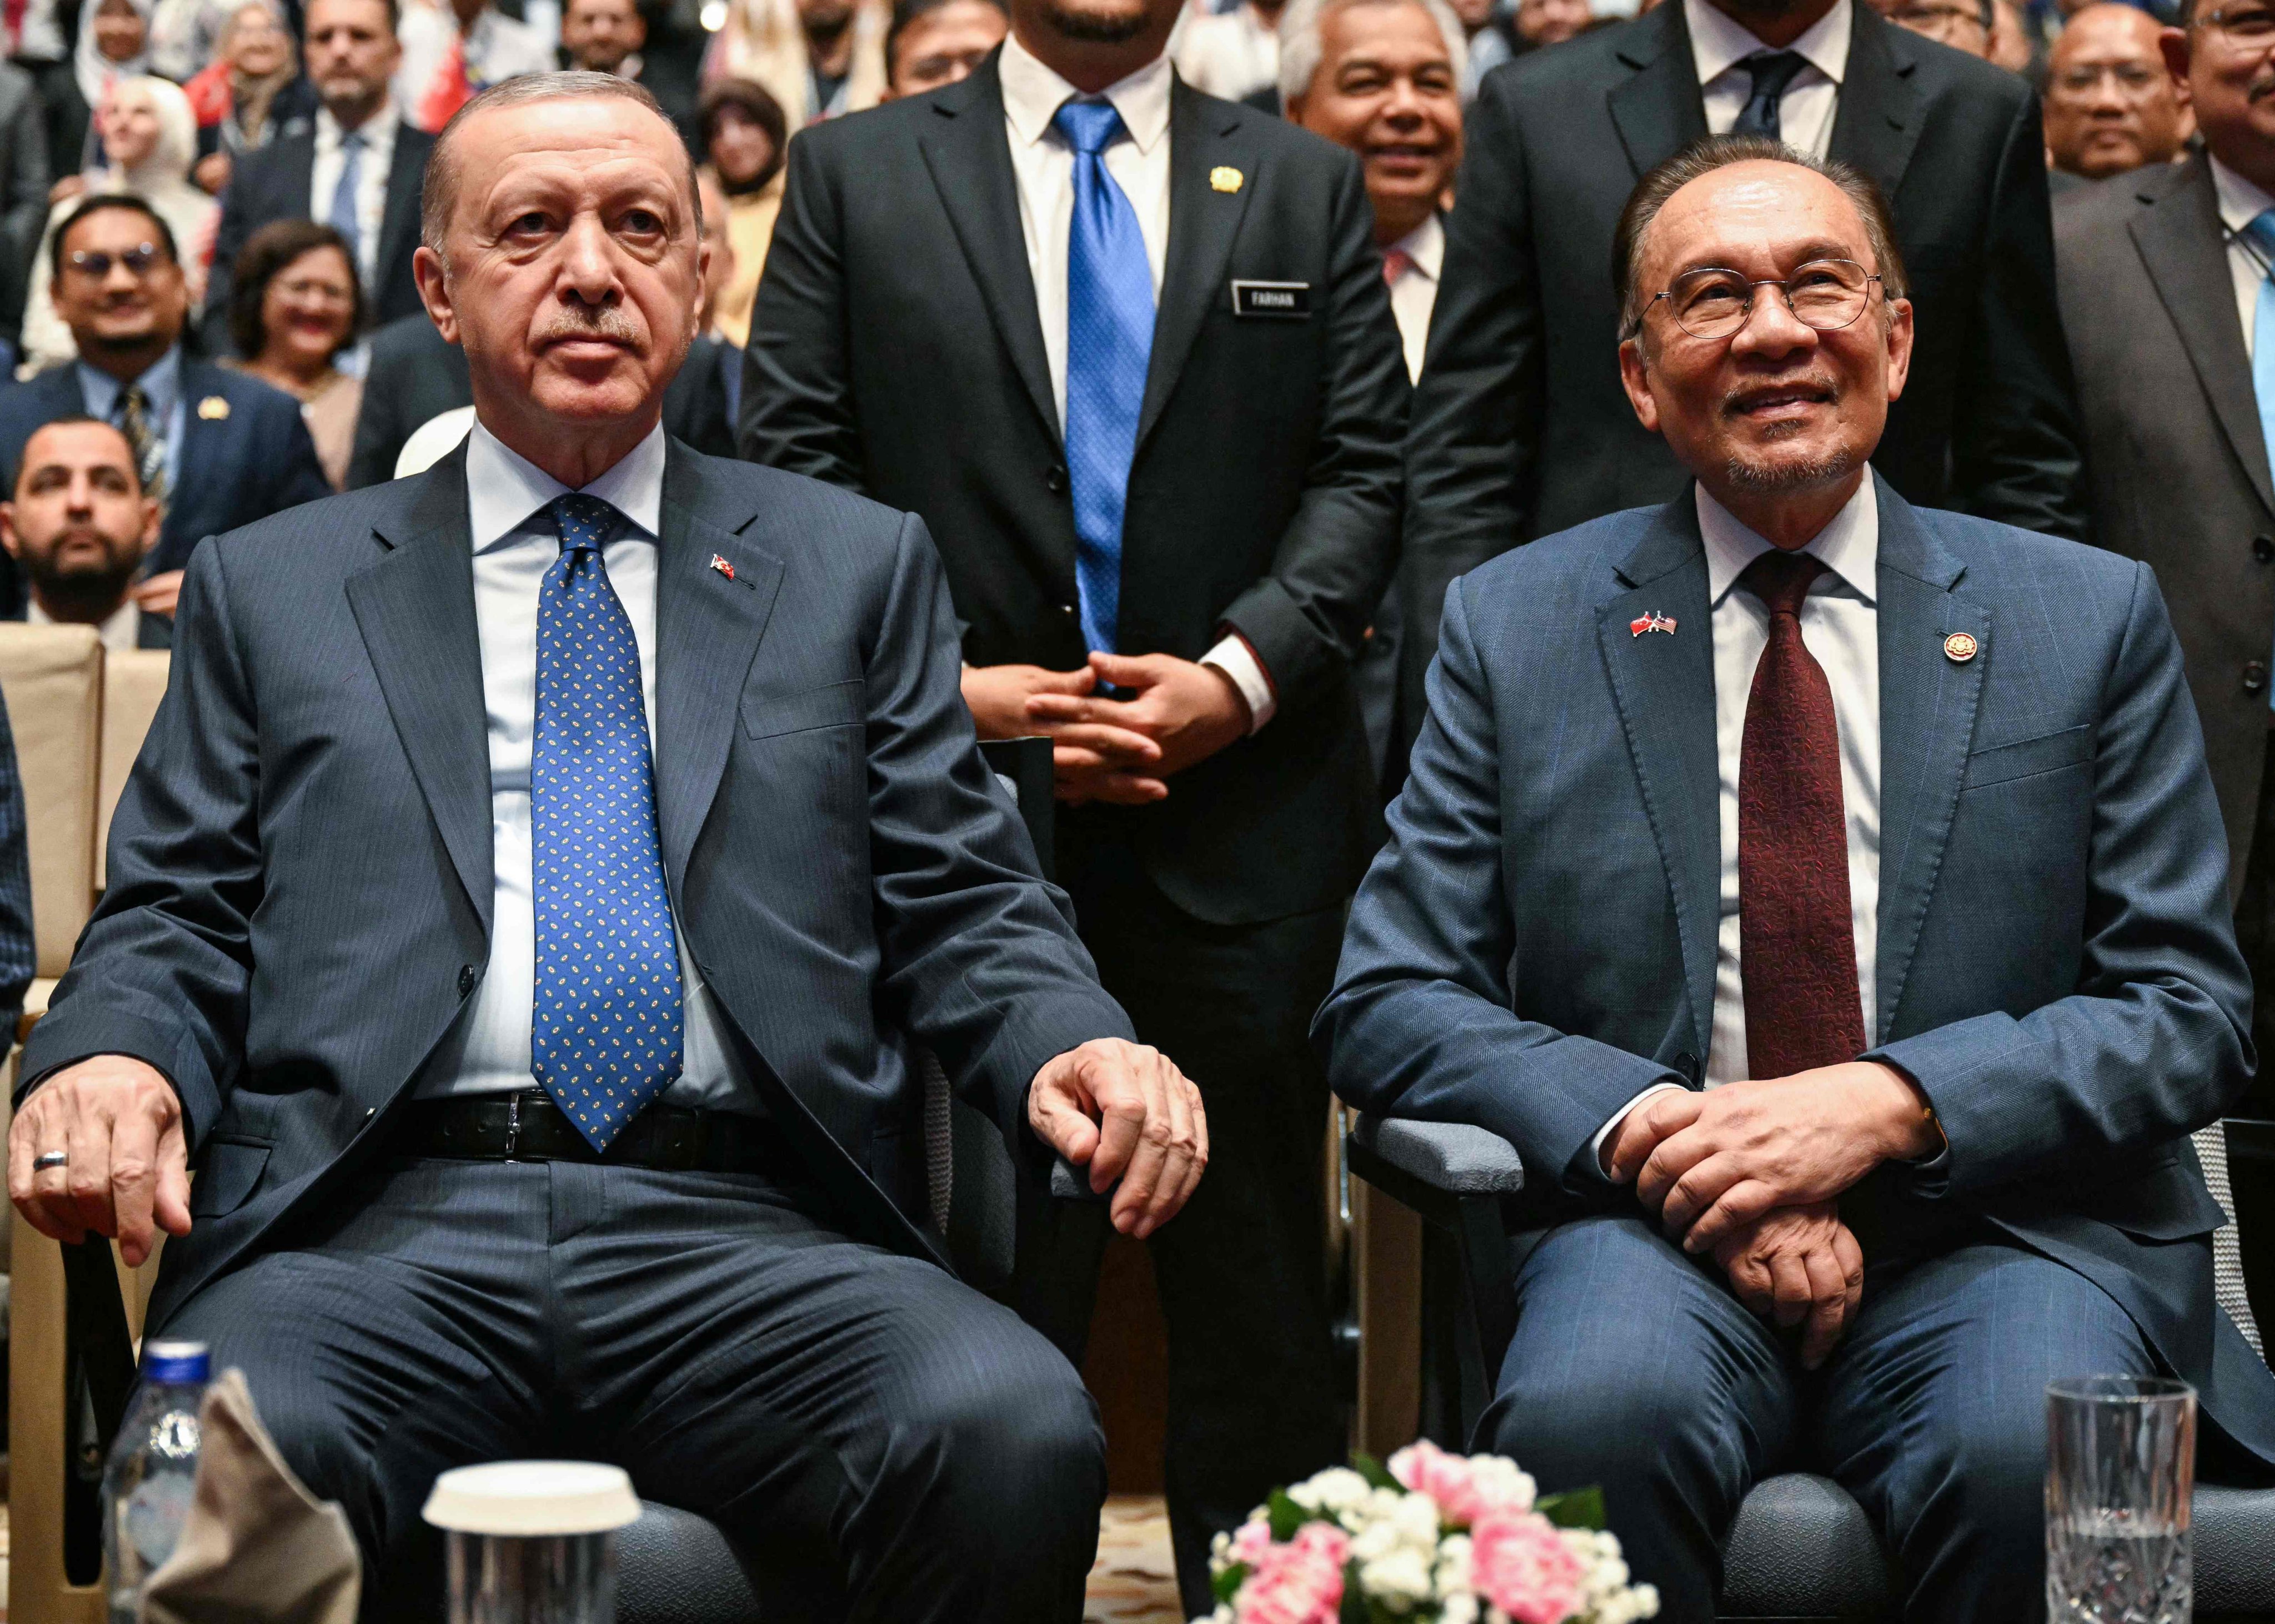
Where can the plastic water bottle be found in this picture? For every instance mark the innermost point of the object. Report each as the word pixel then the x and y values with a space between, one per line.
pixel 153 1468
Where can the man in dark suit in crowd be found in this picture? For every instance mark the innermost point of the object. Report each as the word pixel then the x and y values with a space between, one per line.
pixel 24 176
pixel 78 527
pixel 216 447
pixel 1519 426
pixel 358 170
pixel 2171 316
pixel 934 43
pixel 462 1197
pixel 1128 350
pixel 2111 105
pixel 415 375
pixel 610 36
pixel 1890 827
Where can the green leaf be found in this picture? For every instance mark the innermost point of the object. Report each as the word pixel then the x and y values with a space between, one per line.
pixel 1577 1508
pixel 1287 1516
pixel 1226 1585
pixel 1355 1609
pixel 1377 1474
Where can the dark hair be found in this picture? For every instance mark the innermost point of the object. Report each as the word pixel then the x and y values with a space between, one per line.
pixel 73 419
pixel 1716 152
pixel 267 252
pixel 906 13
pixel 100 203
pixel 394 17
pixel 755 102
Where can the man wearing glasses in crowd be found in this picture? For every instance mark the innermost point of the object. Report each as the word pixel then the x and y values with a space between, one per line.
pixel 2111 106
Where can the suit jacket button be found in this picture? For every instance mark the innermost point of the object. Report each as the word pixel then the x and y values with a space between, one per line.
pixel 2262 548
pixel 2254 675
pixel 1055 479
pixel 465 980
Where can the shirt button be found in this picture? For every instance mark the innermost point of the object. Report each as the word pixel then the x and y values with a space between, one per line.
pixel 1056 478
pixel 2254 675
pixel 465 980
pixel 2262 548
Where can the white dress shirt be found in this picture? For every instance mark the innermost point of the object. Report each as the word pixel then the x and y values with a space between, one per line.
pixel 1414 290
pixel 1043 165
pixel 1720 47
pixel 118 632
pixel 378 132
pixel 1840 628
pixel 515 544
pixel 2240 202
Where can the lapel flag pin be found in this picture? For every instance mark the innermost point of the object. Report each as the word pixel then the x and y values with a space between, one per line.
pixel 213 409
pixel 1652 621
pixel 1959 647
pixel 723 566
pixel 1224 178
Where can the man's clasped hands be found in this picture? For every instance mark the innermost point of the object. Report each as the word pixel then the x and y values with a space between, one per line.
pixel 1750 1172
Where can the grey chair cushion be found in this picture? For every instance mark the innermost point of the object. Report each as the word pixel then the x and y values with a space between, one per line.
pixel 1448 1156
pixel 2234 1549
pixel 676 1567
pixel 1802 1548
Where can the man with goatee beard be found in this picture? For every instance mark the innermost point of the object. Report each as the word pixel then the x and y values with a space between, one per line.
pixel 1127 349
pixel 1519 429
pixel 78 528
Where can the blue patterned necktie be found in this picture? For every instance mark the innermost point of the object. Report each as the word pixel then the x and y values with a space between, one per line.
pixel 1109 342
pixel 2261 232
pixel 1772 72
pixel 605 1030
pixel 343 218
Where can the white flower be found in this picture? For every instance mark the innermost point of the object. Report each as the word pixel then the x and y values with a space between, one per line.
pixel 1416 1519
pixel 1399 1579
pixel 1335 1490
pixel 1460 1607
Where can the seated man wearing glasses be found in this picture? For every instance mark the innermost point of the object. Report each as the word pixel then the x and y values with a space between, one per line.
pixel 217 449
pixel 1828 898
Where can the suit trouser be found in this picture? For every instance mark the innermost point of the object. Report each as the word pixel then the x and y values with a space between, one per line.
pixel 1634 1367
pixel 861 1425
pixel 1241 1270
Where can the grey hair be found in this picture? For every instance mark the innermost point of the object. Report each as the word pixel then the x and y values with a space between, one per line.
pixel 1717 152
pixel 1302 49
pixel 438 198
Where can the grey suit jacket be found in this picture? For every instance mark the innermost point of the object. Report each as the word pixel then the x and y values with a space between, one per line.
pixel 2174 452
pixel 301 885
pixel 2057 967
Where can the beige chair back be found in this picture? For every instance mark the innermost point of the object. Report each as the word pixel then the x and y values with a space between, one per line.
pixel 134 682
pixel 52 679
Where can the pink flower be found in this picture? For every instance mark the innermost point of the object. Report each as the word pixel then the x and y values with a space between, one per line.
pixel 1520 1563
pixel 1446 1478
pixel 1250 1542
pixel 1299 1583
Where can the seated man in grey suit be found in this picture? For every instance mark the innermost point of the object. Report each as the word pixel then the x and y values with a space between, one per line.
pixel 1826 897
pixel 551 1095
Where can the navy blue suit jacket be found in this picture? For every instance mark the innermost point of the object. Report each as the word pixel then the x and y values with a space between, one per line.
pixel 237 464
pixel 299 903
pixel 2057 963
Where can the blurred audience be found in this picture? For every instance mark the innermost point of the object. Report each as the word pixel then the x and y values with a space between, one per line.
pixel 610 36
pixel 1231 53
pixel 24 205
pixel 1550 22
pixel 113 44
pixel 294 308
pixel 185 36
pixel 78 528
pixel 149 143
pixel 455 49
pixel 817 58
pixel 252 93
pixel 745 138
pixel 1963 24
pixel 936 42
pixel 358 169
pixel 2110 104
pixel 1491 39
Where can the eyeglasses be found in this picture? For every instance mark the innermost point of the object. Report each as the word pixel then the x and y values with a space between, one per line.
pixel 1712 303
pixel 2245 27
pixel 95 265
pixel 1940 22
pixel 2133 78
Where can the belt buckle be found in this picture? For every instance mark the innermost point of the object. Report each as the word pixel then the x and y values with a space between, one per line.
pixel 512 1125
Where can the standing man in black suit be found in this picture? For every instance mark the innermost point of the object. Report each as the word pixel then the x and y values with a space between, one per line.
pixel 1127 349
pixel 1520 428
pixel 78 525
pixel 357 171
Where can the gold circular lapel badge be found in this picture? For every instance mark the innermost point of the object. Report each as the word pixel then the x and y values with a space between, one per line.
pixel 1224 178
pixel 1959 647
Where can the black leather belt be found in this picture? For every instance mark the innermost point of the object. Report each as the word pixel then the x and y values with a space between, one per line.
pixel 529 1127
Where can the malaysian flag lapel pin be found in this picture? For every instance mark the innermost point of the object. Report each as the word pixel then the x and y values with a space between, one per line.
pixel 1652 621
pixel 723 566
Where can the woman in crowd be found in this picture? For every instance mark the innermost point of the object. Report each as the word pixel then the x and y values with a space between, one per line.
pixel 744 135
pixel 113 44
pixel 252 91
pixel 149 140
pixel 780 42
pixel 294 306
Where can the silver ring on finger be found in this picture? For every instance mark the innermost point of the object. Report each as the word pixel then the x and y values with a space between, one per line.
pixel 50 1160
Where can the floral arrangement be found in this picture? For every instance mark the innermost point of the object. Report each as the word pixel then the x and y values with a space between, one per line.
pixel 1436 1539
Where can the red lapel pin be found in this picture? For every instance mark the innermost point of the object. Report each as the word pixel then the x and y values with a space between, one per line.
pixel 726 568
pixel 1652 621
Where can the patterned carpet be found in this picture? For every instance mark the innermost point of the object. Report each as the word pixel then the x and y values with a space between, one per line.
pixel 1135 1582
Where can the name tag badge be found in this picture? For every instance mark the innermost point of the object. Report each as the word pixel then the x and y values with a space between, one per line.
pixel 1288 300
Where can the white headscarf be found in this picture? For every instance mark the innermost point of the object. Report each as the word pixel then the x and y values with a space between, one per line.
pixel 94 71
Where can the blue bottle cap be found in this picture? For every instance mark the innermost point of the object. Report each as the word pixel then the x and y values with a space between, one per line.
pixel 176 1362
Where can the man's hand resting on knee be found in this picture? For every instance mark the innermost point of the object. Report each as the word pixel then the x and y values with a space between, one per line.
pixel 118 1123
pixel 1798 1266
pixel 1126 1112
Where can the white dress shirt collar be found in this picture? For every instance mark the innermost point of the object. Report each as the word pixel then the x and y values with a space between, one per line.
pixel 2241 201
pixel 1718 44
pixel 378 130
pixel 160 383
pixel 1033 94
pixel 1849 546
pixel 1426 247
pixel 504 488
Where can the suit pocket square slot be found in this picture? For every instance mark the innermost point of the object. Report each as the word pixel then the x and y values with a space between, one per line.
pixel 2026 758
pixel 838 704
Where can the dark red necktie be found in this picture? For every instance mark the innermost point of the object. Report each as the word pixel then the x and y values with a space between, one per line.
pixel 1796 936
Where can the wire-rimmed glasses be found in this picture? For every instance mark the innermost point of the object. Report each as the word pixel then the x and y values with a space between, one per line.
pixel 1710 302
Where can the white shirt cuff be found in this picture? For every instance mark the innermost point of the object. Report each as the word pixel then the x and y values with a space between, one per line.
pixel 1232 657
pixel 1596 1145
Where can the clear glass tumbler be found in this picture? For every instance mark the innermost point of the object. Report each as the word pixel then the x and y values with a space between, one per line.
pixel 532 1542
pixel 2121 1471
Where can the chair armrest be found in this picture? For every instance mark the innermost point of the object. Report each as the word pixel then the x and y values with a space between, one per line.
pixel 1453 1157
pixel 1070 1182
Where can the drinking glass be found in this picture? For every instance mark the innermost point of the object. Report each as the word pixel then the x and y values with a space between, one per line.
pixel 532 1542
pixel 2121 1470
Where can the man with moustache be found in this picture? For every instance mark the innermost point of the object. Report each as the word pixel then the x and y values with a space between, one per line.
pixel 1128 350
pixel 1826 896
pixel 78 527
pixel 2111 105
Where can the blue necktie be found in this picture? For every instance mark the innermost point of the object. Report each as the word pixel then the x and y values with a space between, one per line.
pixel 2262 233
pixel 1772 72
pixel 605 1029
pixel 1109 340
pixel 343 217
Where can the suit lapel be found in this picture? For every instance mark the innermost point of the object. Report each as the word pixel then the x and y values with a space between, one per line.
pixel 968 152
pixel 1927 725
pixel 708 624
pixel 1664 685
pixel 1203 221
pixel 1658 109
pixel 2183 244
pixel 1880 115
pixel 415 608
pixel 296 163
pixel 202 435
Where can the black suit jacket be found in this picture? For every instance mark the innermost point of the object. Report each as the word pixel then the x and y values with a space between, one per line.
pixel 895 349
pixel 274 183
pixel 1520 426
pixel 300 864
pixel 415 375
pixel 245 454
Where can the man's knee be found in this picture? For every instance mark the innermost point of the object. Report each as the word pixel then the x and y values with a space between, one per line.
pixel 1586 1426
pixel 1011 1425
